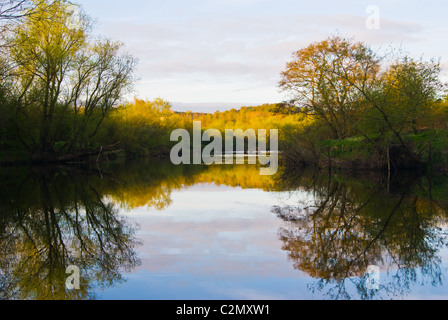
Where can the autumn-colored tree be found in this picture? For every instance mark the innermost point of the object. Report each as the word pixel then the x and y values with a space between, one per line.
pixel 344 85
pixel 323 80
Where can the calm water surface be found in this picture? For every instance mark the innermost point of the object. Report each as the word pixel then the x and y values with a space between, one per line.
pixel 151 230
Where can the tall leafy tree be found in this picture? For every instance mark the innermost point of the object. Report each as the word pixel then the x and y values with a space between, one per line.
pixel 323 79
pixel 411 88
pixel 344 85
pixel 65 83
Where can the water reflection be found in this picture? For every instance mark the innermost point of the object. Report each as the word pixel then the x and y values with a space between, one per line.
pixel 346 225
pixel 54 218
pixel 150 183
pixel 51 218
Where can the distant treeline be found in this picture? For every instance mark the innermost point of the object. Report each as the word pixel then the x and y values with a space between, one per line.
pixel 144 127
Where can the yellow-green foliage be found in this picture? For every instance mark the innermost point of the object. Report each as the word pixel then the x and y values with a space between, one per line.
pixel 144 127
pixel 282 117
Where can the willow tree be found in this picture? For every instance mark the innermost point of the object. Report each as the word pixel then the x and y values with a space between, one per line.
pixel 65 83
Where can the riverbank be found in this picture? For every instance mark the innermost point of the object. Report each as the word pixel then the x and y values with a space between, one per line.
pixel 425 150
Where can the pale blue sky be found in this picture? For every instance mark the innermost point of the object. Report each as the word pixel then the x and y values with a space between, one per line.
pixel 204 55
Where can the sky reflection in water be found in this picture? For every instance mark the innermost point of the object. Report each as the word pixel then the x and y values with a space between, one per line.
pixel 224 241
pixel 151 230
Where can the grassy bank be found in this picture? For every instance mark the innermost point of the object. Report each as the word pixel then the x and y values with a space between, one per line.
pixel 357 153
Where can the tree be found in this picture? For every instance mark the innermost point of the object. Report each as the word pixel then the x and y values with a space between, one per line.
pixel 350 225
pixel 13 12
pixel 65 84
pixel 13 9
pixel 10 10
pixel 400 96
pixel 65 221
pixel 411 88
pixel 323 79
pixel 344 86
pixel 144 127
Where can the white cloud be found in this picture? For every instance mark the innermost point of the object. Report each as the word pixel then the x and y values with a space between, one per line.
pixel 188 51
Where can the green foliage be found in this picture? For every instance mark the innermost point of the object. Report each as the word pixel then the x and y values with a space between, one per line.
pixel 63 83
pixel 350 148
pixel 143 127
pixel 63 95
pixel 283 117
pixel 346 88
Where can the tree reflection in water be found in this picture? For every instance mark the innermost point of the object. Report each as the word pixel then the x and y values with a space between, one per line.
pixel 347 225
pixel 52 219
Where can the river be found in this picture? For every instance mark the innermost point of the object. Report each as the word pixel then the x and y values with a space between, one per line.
pixel 150 230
